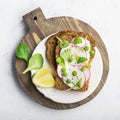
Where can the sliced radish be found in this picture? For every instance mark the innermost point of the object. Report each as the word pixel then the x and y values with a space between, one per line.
pixel 59 68
pixel 87 73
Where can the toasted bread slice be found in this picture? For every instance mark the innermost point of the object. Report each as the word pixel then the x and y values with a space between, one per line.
pixel 53 50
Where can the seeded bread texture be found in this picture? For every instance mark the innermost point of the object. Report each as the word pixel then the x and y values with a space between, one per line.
pixel 53 50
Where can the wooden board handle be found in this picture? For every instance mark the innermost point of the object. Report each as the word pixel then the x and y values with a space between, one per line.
pixel 32 17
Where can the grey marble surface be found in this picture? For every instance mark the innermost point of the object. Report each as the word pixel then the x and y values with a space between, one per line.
pixel 103 15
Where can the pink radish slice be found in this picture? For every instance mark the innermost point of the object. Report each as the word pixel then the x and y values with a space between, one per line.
pixel 87 73
pixel 78 65
pixel 86 54
pixel 59 67
pixel 82 49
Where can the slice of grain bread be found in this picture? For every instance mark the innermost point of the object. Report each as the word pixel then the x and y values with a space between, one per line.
pixel 53 50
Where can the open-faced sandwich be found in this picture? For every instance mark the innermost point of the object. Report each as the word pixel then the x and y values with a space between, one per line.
pixel 70 54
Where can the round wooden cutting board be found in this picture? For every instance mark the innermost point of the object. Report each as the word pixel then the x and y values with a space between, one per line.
pixel 39 28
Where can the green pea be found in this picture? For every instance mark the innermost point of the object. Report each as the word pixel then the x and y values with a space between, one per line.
pixel 63 69
pixel 74 73
pixel 58 60
pixel 83 69
pixel 86 48
pixel 68 81
pixel 92 52
pixel 70 59
pixel 77 40
pixel 64 73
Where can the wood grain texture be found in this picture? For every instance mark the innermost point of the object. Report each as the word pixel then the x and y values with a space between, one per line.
pixel 39 28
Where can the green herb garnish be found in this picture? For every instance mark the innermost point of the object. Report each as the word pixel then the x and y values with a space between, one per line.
pixel 86 48
pixel 76 56
pixel 81 59
pixel 77 40
pixel 63 43
pixel 23 52
pixel 79 83
pixel 60 61
pixel 66 54
pixel 35 62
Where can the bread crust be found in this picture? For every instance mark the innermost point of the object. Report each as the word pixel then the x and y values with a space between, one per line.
pixel 53 50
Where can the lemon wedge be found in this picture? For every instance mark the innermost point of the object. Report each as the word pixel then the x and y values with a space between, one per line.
pixel 44 78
